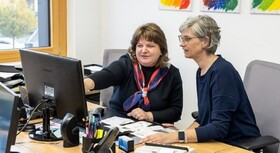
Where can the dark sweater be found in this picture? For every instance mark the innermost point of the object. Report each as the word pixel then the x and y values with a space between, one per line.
pixel 166 101
pixel 225 113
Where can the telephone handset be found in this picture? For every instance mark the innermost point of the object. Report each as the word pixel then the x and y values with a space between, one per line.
pixel 106 142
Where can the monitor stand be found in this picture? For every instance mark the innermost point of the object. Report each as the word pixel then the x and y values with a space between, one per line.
pixel 45 134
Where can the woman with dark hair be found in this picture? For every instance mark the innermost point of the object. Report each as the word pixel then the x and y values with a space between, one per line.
pixel 146 86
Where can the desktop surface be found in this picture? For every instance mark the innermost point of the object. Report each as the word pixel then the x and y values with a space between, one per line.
pixel 26 145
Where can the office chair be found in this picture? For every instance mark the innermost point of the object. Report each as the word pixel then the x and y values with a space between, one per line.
pixel 109 56
pixel 262 84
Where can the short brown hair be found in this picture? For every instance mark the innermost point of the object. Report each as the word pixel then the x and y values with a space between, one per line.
pixel 151 32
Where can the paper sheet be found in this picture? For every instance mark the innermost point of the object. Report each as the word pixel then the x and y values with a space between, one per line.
pixel 6 75
pixel 115 121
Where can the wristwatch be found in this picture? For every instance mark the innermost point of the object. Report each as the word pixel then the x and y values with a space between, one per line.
pixel 181 136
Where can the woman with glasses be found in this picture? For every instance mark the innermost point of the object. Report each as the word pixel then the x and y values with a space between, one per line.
pixel 224 110
pixel 146 86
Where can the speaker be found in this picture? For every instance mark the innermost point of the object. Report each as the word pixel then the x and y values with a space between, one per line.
pixel 70 131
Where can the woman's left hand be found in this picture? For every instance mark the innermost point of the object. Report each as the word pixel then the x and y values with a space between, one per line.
pixel 161 138
pixel 140 114
pixel 168 125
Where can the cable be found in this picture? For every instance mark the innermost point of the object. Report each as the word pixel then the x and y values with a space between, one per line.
pixel 28 120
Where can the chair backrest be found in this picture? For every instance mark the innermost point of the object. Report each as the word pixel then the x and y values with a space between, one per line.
pixel 262 84
pixel 109 56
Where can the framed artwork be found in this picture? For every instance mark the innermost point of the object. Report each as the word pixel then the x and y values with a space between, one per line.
pixel 230 6
pixel 181 5
pixel 265 6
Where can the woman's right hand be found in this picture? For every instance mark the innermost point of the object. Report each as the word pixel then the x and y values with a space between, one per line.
pixel 89 86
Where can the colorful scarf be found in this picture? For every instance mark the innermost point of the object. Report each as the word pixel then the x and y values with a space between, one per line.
pixel 141 96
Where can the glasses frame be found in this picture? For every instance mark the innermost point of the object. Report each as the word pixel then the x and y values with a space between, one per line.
pixel 186 39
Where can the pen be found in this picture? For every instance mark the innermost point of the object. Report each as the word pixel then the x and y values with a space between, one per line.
pixel 92 126
pixel 167 146
pixel 87 130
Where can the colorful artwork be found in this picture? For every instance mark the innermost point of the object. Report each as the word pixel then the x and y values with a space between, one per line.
pixel 266 6
pixel 220 5
pixel 176 4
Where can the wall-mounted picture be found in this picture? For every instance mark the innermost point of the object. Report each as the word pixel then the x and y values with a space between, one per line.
pixel 230 6
pixel 266 6
pixel 180 5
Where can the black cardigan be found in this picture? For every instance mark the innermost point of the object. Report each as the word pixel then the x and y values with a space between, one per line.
pixel 166 100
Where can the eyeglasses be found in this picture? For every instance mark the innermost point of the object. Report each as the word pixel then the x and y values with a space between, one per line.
pixel 186 39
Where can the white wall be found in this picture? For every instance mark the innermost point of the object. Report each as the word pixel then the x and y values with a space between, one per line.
pixel 84 30
pixel 94 25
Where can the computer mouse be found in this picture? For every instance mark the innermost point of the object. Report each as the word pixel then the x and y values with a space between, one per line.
pixel 98 110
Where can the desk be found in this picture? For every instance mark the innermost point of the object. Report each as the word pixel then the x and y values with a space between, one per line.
pixel 26 145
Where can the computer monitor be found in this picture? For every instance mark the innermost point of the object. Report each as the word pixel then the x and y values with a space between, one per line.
pixel 8 118
pixel 56 78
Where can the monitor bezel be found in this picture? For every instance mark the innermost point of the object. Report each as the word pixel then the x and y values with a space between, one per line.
pixel 12 130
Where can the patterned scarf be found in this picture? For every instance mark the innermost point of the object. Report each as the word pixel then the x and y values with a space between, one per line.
pixel 141 96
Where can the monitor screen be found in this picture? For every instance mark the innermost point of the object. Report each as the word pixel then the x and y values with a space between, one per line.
pixel 8 118
pixel 57 78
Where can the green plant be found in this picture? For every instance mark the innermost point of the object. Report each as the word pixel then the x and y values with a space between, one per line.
pixel 16 19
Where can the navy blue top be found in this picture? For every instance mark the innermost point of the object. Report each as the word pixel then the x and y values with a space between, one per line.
pixel 166 101
pixel 225 113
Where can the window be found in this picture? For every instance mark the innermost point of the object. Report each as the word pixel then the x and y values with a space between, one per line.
pixel 52 23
